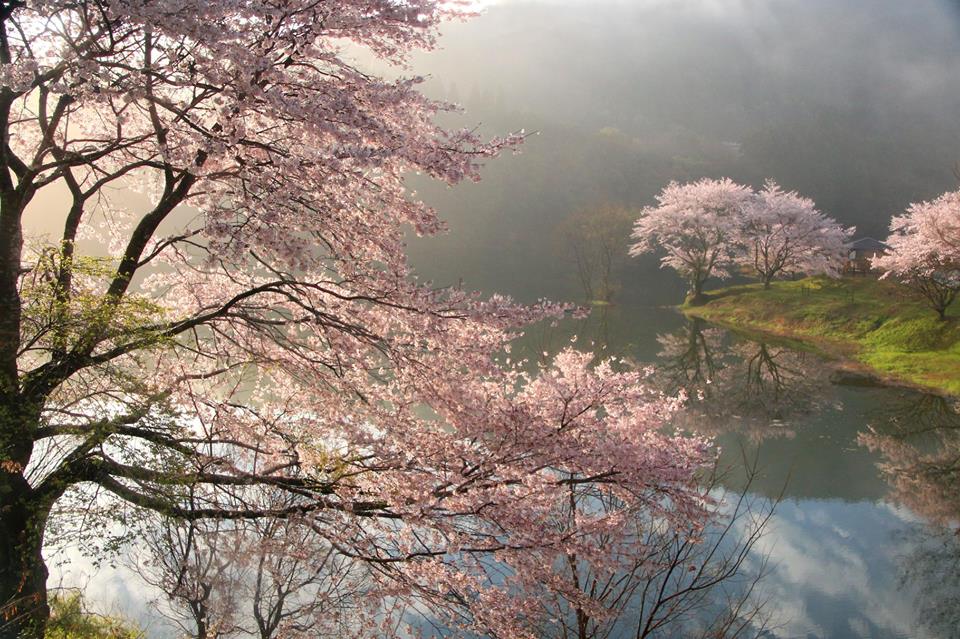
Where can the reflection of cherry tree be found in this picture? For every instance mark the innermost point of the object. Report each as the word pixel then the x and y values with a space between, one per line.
pixel 774 382
pixel 932 567
pixel 744 386
pixel 918 439
pixel 919 442
pixel 689 358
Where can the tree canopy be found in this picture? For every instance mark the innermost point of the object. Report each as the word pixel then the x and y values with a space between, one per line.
pixel 925 250
pixel 711 228
pixel 251 344
pixel 696 224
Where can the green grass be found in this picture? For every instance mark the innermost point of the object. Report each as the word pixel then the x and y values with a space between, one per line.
pixel 881 325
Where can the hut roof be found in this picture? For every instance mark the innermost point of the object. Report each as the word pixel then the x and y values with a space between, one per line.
pixel 867 244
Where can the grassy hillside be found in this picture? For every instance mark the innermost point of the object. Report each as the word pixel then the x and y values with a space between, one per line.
pixel 880 324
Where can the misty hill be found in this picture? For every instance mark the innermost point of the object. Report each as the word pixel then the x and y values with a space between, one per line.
pixel 854 104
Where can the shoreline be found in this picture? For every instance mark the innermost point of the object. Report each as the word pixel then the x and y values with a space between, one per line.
pixel 867 327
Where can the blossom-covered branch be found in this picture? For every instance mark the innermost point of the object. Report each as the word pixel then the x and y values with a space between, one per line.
pixel 255 336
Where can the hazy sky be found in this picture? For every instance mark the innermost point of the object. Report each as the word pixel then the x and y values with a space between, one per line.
pixel 852 102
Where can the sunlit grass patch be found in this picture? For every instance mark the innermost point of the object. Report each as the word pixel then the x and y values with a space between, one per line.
pixel 878 323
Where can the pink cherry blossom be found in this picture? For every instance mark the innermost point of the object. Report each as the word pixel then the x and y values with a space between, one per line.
pixel 782 232
pixel 696 225
pixel 709 227
pixel 256 336
pixel 925 250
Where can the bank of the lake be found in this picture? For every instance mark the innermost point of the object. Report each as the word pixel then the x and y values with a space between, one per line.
pixel 878 326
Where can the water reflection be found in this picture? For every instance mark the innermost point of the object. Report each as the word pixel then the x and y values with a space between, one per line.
pixel 735 385
pixel 689 358
pixel 932 569
pixel 866 542
pixel 918 439
pixel 862 461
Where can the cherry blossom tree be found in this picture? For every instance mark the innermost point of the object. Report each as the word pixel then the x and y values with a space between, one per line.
pixel 925 250
pixel 782 232
pixel 658 583
pixel 254 329
pixel 696 225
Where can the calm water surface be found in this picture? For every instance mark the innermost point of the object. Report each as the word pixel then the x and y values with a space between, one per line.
pixel 863 543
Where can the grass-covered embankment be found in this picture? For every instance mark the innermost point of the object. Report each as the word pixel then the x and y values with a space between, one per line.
pixel 881 325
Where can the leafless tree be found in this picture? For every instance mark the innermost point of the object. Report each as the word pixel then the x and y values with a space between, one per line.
pixel 665 582
pixel 596 238
pixel 263 578
pixel 193 564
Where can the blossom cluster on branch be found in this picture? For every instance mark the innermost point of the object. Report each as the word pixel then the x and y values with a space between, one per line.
pixel 256 346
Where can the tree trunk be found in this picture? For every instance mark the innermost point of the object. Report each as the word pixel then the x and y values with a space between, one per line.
pixel 23 573
pixel 695 296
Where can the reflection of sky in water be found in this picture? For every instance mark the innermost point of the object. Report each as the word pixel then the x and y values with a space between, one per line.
pixel 835 574
pixel 836 571
pixel 838 547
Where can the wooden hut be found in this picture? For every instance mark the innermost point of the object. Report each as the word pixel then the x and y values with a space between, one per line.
pixel 860 253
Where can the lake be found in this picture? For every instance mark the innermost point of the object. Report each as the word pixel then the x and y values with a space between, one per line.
pixel 862 543
pixel 846 102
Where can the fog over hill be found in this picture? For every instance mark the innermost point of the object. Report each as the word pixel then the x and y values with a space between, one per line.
pixel 854 103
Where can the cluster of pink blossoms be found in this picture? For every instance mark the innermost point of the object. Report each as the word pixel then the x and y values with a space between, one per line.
pixel 257 331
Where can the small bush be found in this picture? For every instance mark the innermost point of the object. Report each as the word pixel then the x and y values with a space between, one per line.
pixel 69 619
